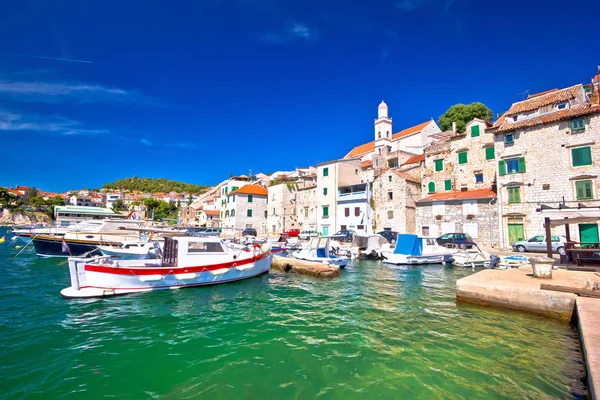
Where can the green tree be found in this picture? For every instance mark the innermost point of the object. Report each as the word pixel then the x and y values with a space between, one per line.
pixel 37 202
pixel 462 114
pixel 6 197
pixel 56 201
pixel 118 205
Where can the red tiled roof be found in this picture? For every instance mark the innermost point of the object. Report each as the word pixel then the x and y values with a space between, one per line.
pixel 251 189
pixel 367 147
pixel 366 164
pixel 457 195
pixel 21 187
pixel 576 111
pixel 415 159
pixel 16 193
pixel 212 212
pixel 545 98
pixel 531 96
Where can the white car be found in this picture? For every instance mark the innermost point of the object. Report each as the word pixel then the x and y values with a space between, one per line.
pixel 305 235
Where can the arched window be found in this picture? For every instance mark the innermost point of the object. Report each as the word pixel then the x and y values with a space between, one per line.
pixel 431 187
pixel 388 134
pixel 227 214
pixel 379 135
pixel 233 213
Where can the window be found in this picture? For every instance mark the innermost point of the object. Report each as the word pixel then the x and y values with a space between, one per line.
pixel 581 156
pixel 389 178
pixel 512 166
pixel 324 191
pixel 431 187
pixel 536 239
pixel 584 190
pixel 249 198
pixel 343 227
pixel 379 135
pixel 389 149
pixel 514 194
pixel 233 189
pixel 478 178
pixel 355 171
pixel 390 214
pixel 226 189
pixel 489 153
pixel 462 157
pixel 439 165
pixel 233 198
pixel 227 214
pixel 325 171
pixel 390 195
pixel 470 207
pixel 205 247
pixel 509 138
pixel 305 212
pixel 475 131
pixel 448 184
pixel 266 213
pixel 578 124
pixel 361 227
pixel 326 211
pixel 562 106
pixel 424 231
pixel 387 134
pixel 248 213
pixel 515 118
pixel 232 213
pixel 357 211
pixel 347 212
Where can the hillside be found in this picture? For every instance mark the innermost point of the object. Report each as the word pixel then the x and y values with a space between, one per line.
pixel 154 185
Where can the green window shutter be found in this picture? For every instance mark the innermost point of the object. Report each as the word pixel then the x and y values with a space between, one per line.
pixel 326 211
pixel 226 189
pixel 439 165
pixel 581 156
pixel 448 184
pixel 514 195
pixel 431 187
pixel 490 153
pixel 502 167
pixel 249 198
pixel 578 124
pixel 325 191
pixel 584 190
pixel 475 131
pixel 462 157
pixel 522 164
pixel 325 171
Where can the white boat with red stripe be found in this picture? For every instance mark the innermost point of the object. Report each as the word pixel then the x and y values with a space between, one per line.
pixel 186 261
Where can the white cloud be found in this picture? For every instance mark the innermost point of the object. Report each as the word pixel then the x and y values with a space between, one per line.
pixel 290 33
pixel 55 92
pixel 146 142
pixel 14 122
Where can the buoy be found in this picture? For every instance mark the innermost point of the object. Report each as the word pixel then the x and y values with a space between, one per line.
pixel 2 239
pixel 18 247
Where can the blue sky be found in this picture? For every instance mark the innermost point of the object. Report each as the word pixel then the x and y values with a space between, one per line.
pixel 196 90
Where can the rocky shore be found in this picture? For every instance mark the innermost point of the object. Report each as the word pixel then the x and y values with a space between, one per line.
pixel 22 217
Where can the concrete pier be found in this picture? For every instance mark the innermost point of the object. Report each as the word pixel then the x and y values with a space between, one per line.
pixel 517 289
pixel 295 266
pixel 588 321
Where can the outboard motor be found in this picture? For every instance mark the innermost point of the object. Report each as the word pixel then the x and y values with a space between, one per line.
pixel 494 261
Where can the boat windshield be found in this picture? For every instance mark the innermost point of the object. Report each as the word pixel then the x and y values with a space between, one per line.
pixel 205 247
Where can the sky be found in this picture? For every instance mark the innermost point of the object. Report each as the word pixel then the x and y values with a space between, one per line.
pixel 91 92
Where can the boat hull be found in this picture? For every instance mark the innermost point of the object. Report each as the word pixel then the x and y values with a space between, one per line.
pixel 97 282
pixel 339 261
pixel 54 248
pixel 399 259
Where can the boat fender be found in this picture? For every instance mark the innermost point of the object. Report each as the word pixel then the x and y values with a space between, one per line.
pixel 256 250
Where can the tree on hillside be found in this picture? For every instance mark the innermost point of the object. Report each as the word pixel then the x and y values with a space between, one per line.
pixel 118 205
pixel 462 114
pixel 6 197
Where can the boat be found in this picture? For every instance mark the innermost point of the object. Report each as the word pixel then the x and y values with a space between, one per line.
pixel 471 256
pixel 132 250
pixel 318 251
pixel 186 261
pixel 368 246
pixel 414 250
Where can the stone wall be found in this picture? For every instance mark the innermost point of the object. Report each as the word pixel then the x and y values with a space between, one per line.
pixel 397 213
pixel 306 208
pixel 282 208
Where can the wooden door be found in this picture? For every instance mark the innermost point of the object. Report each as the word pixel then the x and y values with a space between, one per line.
pixel 515 233
pixel 588 233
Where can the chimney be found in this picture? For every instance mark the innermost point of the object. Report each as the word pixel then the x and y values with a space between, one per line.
pixel 454 127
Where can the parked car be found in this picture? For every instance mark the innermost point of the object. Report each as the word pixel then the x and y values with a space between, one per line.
pixel 293 232
pixel 344 236
pixel 195 231
pixel 249 232
pixel 455 239
pixel 211 232
pixel 390 236
pixel 538 243
pixel 305 235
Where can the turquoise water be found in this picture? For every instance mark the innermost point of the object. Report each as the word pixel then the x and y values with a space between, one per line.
pixel 377 332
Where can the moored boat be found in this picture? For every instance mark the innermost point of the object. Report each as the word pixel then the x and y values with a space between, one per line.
pixel 414 250
pixel 187 261
pixel 318 250
pixel 471 256
pixel 132 250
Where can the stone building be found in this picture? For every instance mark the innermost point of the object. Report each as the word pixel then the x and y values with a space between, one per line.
pixel 394 196
pixel 459 183
pixel 282 214
pixel 306 208
pixel 330 176
pixel 209 218
pixel 548 153
pixel 246 208
pixel 188 214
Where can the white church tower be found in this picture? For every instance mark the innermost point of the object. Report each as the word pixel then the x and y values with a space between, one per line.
pixel 383 130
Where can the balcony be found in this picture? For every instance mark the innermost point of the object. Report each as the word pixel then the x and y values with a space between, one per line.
pixel 353 193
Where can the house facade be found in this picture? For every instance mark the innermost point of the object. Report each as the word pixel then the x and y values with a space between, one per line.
pixel 354 208
pixel 394 201
pixel 548 154
pixel 282 213
pixel 209 218
pixel 306 208
pixel 246 208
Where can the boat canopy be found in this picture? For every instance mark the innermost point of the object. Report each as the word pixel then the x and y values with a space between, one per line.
pixel 408 245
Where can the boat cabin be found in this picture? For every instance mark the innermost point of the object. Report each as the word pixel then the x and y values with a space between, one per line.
pixel 319 247
pixel 181 251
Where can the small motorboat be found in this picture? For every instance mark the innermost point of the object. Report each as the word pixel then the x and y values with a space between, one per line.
pixel 318 251
pixel 368 247
pixel 471 256
pixel 187 261
pixel 414 250
pixel 132 251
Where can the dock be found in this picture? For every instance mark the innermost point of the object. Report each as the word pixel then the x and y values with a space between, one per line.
pixel 517 289
pixel 295 266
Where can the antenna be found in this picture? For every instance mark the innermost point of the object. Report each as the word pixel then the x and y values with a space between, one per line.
pixel 526 92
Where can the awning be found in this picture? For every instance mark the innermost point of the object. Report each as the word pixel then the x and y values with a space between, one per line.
pixel 570 215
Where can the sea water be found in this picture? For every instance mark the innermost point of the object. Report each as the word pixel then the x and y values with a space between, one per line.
pixel 376 332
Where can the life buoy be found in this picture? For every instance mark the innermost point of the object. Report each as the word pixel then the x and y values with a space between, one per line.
pixel 256 250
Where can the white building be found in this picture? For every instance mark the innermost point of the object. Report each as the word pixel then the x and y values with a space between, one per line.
pixel 282 214
pixel 354 209
pixel 112 197
pixel 246 207
pixel 209 218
